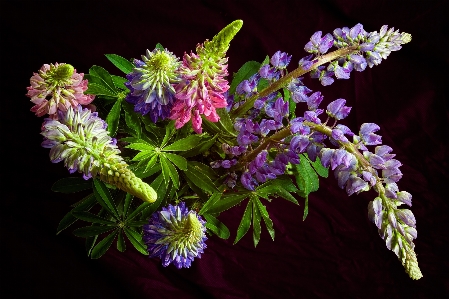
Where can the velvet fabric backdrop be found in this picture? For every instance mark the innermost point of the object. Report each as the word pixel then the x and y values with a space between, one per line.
pixel 335 253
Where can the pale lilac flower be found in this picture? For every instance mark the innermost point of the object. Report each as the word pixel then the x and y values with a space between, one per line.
pixel 367 134
pixel 280 60
pixel 337 109
pixel 318 44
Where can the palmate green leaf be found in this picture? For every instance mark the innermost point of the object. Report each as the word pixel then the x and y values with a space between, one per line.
pixel 98 89
pixel 71 185
pixel 198 191
pixel 138 210
pixel 278 187
pixel 310 182
pixel 216 226
pixel 226 202
pixel 160 187
pixel 184 144
pixel 245 223
pixel 90 231
pixel 100 249
pixel 179 161
pixel 97 86
pixel 132 120
pixel 307 181
pixel 140 145
pixel 119 82
pixel 266 60
pixel 88 202
pixel 169 132
pixel 126 204
pixel 169 171
pixel 106 78
pixel 226 122
pixel 121 246
pixel 136 239
pixel 200 178
pixel 151 162
pixel 256 223
pixel 144 172
pixel 113 118
pixel 319 168
pixel 306 208
pixel 211 202
pixel 246 70
pixel 144 155
pixel 90 242
pixel 89 217
pixel 121 63
pixel 104 198
pixel 204 169
pixel 291 103
pixel 200 148
pixel 266 217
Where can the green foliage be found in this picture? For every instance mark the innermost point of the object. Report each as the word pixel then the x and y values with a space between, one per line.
pixel 71 185
pixel 118 217
pixel 306 174
pixel 217 227
pixel 120 62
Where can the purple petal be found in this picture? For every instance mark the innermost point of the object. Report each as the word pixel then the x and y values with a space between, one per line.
pixel 326 155
pixel 407 217
pixel 314 100
pixel 405 197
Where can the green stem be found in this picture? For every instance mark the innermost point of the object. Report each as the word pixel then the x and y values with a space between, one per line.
pixel 284 81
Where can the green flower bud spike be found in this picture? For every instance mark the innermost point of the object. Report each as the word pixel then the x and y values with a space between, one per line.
pixel 122 177
pixel 78 137
pixel 219 44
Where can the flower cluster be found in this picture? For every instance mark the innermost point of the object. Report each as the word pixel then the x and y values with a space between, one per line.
pixel 57 87
pixel 259 138
pixel 79 139
pixel 175 235
pixel 202 87
pixel 150 84
pixel 371 49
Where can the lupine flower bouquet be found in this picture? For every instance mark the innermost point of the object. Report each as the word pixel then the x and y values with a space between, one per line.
pixel 173 143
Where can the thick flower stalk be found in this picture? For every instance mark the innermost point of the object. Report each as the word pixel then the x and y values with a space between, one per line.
pixel 202 87
pixel 57 87
pixel 79 138
pixel 151 84
pixel 175 235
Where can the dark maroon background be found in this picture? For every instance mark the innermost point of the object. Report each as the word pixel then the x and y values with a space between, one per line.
pixel 335 253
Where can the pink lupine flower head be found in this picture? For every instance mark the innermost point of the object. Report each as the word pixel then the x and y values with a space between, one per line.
pixel 202 86
pixel 57 87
